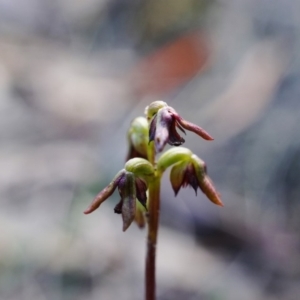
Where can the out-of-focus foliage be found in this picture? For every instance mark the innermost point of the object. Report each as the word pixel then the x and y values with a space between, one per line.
pixel 73 74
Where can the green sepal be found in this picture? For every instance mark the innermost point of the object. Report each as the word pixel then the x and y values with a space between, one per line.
pixel 140 167
pixel 200 167
pixel 140 215
pixel 172 156
pixel 177 175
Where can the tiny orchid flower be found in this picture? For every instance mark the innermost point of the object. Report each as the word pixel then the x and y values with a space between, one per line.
pixel 193 173
pixel 130 190
pixel 187 169
pixel 163 125
pixel 132 186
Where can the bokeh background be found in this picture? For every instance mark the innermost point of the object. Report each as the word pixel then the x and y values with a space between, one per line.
pixel 73 74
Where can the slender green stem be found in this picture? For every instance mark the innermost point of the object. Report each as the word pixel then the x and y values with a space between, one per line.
pixel 153 221
pixel 151 153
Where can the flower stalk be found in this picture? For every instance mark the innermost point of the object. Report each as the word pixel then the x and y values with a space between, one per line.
pixel 153 221
pixel 147 137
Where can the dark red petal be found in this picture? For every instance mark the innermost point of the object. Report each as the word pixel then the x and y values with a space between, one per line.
pixel 192 127
pixel 190 177
pixel 179 127
pixel 128 211
pixel 128 196
pixel 141 188
pixel 163 124
pixel 122 186
pixel 174 138
pixel 152 128
pixel 118 207
pixel 209 190
pixel 104 194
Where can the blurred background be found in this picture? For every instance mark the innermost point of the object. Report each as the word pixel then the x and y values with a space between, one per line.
pixel 73 74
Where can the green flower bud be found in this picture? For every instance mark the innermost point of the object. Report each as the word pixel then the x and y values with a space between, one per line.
pixel 138 138
pixel 153 108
